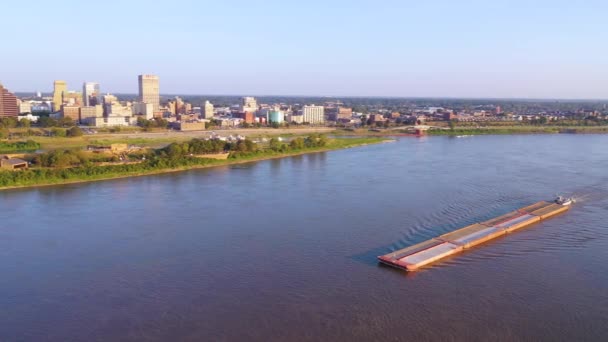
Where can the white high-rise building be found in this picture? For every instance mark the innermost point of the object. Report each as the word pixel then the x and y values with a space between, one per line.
pixel 207 110
pixel 90 91
pixel 249 104
pixel 313 114
pixel 149 90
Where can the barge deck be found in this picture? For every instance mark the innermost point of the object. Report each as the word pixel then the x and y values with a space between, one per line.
pixel 413 257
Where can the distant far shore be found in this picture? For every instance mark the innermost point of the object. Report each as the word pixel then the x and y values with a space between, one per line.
pixel 484 130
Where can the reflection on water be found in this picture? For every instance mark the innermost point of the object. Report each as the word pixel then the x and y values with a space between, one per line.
pixel 285 249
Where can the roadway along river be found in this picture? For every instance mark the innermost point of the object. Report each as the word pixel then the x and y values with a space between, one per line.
pixel 285 250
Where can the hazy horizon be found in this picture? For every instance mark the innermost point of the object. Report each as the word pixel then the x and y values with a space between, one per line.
pixel 437 49
pixel 337 97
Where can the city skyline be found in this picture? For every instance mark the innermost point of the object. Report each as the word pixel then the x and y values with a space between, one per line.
pixel 548 50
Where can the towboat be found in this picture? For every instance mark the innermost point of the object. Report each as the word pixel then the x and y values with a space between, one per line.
pixel 564 200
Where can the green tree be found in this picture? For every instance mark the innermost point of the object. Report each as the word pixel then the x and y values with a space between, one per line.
pixel 162 123
pixel 8 122
pixel 322 140
pixel 274 144
pixel 297 143
pixel 143 123
pixel 66 122
pixel 58 132
pixel 74 132
pixel 45 121
pixel 24 123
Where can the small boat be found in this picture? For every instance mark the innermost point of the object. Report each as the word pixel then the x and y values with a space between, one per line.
pixel 564 200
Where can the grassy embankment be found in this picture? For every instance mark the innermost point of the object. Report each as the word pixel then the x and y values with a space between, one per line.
pixel 18 146
pixel 159 163
pixel 155 139
pixel 52 143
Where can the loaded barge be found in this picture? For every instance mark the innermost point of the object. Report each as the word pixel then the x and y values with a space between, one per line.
pixel 413 257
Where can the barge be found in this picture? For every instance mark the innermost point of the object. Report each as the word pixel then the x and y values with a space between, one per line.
pixel 424 253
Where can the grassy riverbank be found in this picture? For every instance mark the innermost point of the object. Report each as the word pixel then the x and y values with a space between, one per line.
pixel 163 162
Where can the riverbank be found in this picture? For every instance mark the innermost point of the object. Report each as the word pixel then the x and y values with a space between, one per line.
pixel 38 177
pixel 487 130
pixel 520 130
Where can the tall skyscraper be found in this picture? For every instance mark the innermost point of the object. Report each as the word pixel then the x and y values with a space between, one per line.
pixel 207 110
pixel 91 95
pixel 59 88
pixel 149 90
pixel 8 103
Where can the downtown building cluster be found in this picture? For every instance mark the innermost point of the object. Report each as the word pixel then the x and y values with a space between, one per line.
pixel 90 107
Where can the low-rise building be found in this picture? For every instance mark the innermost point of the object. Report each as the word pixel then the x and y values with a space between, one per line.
pixel 9 163
pixel 247 117
pixel 70 111
pixel 108 121
pixel 230 122
pixel 30 117
pixel 113 148
pixel 373 118
pixel 295 118
pixel 117 109
pixel 91 112
pixel 339 113
pixel 146 110
pixel 189 125
pixel 25 107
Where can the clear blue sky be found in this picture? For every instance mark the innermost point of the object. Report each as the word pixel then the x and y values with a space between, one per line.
pixel 490 48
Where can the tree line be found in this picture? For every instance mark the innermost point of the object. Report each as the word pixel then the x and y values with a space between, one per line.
pixel 59 166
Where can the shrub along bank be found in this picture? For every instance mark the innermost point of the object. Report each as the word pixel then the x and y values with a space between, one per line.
pixel 19 146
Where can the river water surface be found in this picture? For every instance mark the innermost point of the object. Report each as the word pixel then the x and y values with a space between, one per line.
pixel 285 250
